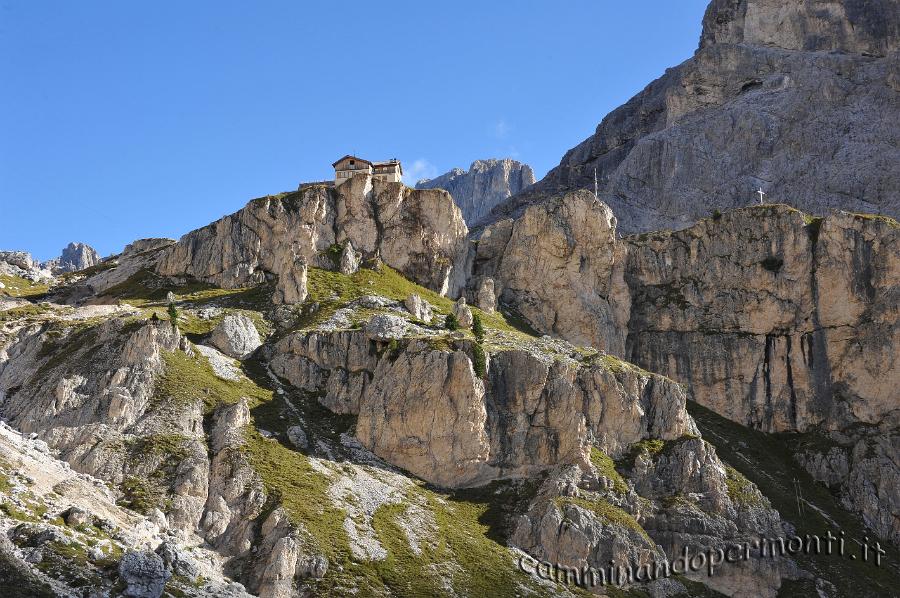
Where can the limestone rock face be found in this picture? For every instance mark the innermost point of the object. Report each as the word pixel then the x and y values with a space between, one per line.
pixel 236 494
pixel 22 264
pixel 18 259
pixel 486 184
pixel 782 325
pixel 852 26
pixel 70 395
pixel 139 255
pixel 236 336
pixel 680 499
pixel 560 266
pixel 557 529
pixel 87 393
pixel 774 323
pixel 419 233
pixel 424 409
pixel 74 257
pixel 775 86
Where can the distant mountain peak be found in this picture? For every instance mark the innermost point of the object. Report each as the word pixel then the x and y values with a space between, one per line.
pixel 487 183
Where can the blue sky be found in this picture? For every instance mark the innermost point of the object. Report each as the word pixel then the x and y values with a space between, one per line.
pixel 122 120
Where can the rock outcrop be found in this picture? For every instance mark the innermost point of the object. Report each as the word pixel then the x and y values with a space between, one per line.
pixel 799 98
pixel 74 257
pixel 775 321
pixel 236 336
pixel 486 184
pixel 21 264
pixel 425 409
pixel 859 464
pixel 419 233
pixel 560 266
pixel 365 449
pixel 144 574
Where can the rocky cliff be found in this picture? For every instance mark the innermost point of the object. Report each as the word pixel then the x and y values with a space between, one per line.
pixel 783 323
pixel 486 184
pixel 560 266
pixel 294 467
pixel 799 98
pixel 418 232
pixel 74 257
pixel 775 319
pixel 795 317
pixel 355 436
pixel 340 391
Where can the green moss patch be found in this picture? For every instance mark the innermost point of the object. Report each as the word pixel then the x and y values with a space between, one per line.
pixel 877 218
pixel 148 289
pixel 605 467
pixel 620 366
pixel 651 447
pixel 741 490
pixel 333 290
pixel 29 313
pixel 303 492
pixel 187 379
pixel 143 494
pixel 606 511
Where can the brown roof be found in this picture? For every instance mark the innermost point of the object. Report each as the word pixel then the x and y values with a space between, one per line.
pixel 333 164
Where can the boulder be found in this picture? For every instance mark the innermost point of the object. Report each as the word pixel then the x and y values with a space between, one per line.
pixel 463 313
pixel 419 308
pixel 236 336
pixel 19 259
pixel 144 574
pixel 298 437
pixel 485 295
pixel 385 327
pixel 75 516
pixel 350 259
pixel 177 561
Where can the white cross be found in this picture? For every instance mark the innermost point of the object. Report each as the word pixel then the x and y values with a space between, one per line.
pixel 761 193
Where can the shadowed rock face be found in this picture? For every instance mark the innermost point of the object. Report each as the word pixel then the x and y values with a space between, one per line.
pixel 799 98
pixel 486 184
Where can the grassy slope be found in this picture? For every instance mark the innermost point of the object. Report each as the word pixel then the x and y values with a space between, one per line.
pixel 467 551
pixel 767 461
pixel 16 286
pixel 332 290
